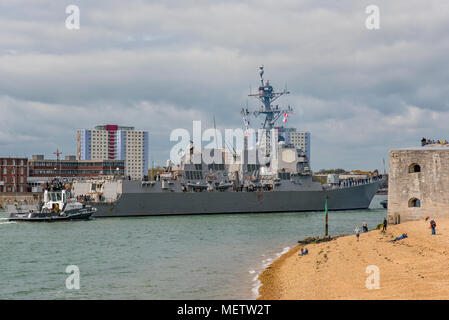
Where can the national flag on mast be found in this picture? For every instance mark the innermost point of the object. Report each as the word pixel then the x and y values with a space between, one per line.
pixel 57 153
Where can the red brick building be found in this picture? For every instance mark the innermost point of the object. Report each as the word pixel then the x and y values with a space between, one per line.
pixel 13 174
pixel 42 170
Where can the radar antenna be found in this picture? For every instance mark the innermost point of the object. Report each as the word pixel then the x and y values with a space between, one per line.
pixel 267 96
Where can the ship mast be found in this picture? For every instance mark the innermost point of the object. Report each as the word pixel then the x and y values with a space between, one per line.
pixel 267 96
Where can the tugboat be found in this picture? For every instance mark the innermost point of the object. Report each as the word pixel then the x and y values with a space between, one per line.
pixel 58 206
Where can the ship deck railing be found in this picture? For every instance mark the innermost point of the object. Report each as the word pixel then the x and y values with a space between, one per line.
pixel 356 182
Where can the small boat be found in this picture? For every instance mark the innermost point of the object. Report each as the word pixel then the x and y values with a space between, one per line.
pixel 58 206
pixel 384 203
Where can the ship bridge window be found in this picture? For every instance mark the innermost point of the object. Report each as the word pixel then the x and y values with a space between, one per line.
pixel 284 175
pixel 194 175
pixel 96 187
pixel 414 167
pixel 215 166
pixel 414 203
pixel 253 167
pixel 55 196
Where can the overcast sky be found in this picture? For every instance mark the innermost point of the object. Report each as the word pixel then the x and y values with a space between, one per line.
pixel 159 65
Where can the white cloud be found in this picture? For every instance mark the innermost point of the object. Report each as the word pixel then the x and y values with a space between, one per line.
pixel 158 65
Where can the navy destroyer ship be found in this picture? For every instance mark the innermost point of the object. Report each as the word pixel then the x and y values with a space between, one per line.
pixel 280 180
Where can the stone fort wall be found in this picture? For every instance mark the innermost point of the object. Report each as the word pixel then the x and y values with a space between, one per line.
pixel 418 183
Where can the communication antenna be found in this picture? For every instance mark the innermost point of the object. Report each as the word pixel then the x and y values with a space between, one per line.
pixel 267 95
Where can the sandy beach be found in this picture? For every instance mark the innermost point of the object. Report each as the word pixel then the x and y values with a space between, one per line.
pixel 413 268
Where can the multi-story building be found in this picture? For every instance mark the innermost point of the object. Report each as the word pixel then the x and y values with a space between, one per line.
pixel 300 139
pixel 13 174
pixel 115 142
pixel 42 170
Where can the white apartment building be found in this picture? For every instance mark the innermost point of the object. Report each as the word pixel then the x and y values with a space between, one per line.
pixel 300 139
pixel 116 143
pixel 136 159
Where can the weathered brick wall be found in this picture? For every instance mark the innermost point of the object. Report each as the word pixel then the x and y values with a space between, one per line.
pixel 430 186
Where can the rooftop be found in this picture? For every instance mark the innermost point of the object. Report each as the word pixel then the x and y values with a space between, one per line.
pixel 444 147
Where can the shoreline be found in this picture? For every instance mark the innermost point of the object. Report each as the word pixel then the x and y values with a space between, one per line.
pixel 256 283
pixel 412 268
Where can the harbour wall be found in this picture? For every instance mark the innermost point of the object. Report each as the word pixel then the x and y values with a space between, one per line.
pixel 20 197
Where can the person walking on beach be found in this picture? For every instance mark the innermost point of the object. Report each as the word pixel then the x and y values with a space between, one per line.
pixel 365 226
pixel 384 228
pixel 433 225
pixel 357 232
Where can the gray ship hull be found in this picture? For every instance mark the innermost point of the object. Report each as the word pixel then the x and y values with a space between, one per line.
pixel 178 203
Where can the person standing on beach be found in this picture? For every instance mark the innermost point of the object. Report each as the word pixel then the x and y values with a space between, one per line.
pixel 364 226
pixel 357 232
pixel 433 225
pixel 384 228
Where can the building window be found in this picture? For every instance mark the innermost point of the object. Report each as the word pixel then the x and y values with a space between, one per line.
pixel 414 203
pixel 414 168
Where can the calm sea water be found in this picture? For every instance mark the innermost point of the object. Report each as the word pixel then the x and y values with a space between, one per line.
pixel 178 257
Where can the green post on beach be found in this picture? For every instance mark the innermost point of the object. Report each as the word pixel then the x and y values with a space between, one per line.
pixel 325 210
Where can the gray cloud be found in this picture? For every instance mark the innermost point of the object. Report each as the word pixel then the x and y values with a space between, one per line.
pixel 158 65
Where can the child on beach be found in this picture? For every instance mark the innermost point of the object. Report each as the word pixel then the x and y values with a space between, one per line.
pixel 357 232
